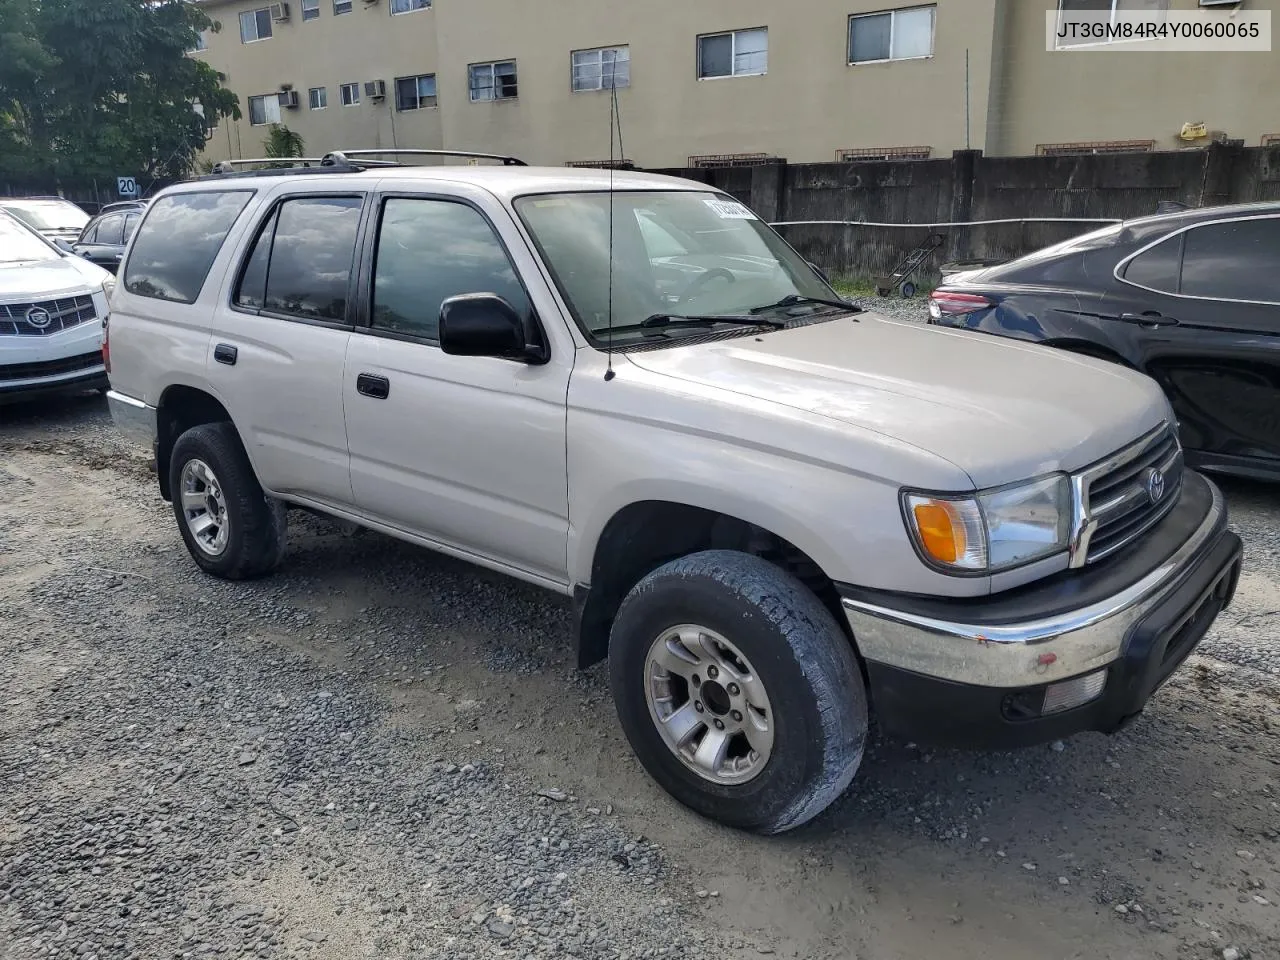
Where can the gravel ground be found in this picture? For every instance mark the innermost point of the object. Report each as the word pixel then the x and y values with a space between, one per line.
pixel 381 752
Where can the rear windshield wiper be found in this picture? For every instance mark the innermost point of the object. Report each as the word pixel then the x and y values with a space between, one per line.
pixel 796 299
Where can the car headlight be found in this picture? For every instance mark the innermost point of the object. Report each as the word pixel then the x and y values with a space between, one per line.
pixel 991 530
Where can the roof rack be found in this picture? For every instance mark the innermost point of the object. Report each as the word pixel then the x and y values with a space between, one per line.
pixel 345 157
pixel 229 166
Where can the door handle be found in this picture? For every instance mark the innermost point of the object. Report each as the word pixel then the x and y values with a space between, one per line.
pixel 1150 319
pixel 225 353
pixel 373 386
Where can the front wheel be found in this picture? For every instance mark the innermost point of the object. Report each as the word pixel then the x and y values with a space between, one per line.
pixel 738 691
pixel 231 528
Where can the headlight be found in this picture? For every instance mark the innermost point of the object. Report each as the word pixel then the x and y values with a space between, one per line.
pixel 992 530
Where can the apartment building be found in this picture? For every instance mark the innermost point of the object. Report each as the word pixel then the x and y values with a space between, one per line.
pixel 718 80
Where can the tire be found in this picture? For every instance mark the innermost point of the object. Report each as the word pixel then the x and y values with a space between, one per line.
pixel 786 638
pixel 908 290
pixel 246 535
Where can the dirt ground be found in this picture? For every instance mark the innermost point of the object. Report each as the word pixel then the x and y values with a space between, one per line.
pixel 1158 842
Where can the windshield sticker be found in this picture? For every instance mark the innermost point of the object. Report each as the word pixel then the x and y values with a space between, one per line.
pixel 728 209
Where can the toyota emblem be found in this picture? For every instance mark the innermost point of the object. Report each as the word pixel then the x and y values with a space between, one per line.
pixel 39 317
pixel 1155 485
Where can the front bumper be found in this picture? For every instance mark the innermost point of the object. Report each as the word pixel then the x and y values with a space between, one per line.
pixel 977 672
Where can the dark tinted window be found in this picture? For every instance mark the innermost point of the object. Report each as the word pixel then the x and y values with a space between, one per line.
pixel 311 257
pixel 1157 268
pixel 110 230
pixel 252 291
pixel 1233 261
pixel 178 241
pixel 430 250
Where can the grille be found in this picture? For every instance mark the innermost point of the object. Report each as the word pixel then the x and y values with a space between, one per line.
pixel 1118 492
pixel 50 368
pixel 65 313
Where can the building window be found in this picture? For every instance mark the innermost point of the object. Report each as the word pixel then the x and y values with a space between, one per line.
pixel 734 160
pixel 408 6
pixel 350 94
pixel 493 81
pixel 601 69
pixel 1095 10
pixel 255 25
pixel 883 153
pixel 318 98
pixel 416 93
pixel 310 10
pixel 893 35
pixel 740 53
pixel 264 109
pixel 340 7
pixel 1271 140
pixel 202 42
pixel 1087 148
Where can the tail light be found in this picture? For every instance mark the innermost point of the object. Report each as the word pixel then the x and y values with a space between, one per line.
pixel 949 303
pixel 106 342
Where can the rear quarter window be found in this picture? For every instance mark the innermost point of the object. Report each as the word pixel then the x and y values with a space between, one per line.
pixel 178 241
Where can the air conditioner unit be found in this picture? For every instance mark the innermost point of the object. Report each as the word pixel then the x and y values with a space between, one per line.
pixel 280 12
pixel 376 89
pixel 288 99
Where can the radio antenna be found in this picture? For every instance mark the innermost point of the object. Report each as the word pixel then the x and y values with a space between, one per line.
pixel 614 119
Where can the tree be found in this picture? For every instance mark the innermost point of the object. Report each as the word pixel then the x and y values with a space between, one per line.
pixel 283 142
pixel 97 88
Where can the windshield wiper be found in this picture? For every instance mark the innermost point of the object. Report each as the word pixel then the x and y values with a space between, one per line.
pixel 796 299
pixel 664 320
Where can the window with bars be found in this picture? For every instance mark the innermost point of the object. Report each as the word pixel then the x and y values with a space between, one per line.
pixel 1087 148
pixel 318 98
pixel 416 93
pixel 734 160
pixel 905 34
pixel 255 25
pixel 350 93
pixel 310 10
pixel 340 7
pixel 601 69
pixel 883 153
pixel 408 6
pixel 737 53
pixel 492 81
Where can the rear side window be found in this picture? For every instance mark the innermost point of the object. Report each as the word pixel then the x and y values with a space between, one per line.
pixel 1237 260
pixel 178 242
pixel 130 225
pixel 301 262
pixel 110 230
pixel 1157 268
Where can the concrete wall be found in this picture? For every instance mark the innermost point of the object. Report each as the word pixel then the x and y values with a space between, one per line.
pixel 970 187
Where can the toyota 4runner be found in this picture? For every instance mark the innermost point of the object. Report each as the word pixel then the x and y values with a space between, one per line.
pixel 777 514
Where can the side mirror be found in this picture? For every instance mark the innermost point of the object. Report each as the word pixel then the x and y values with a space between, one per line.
pixel 64 245
pixel 485 325
pixel 820 272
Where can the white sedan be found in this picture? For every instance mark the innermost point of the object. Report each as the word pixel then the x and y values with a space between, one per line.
pixel 52 307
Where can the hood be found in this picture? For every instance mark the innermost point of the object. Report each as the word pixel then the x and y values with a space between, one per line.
pixel 45 279
pixel 999 410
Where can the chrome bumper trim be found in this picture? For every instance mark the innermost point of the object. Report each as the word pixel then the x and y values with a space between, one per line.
pixel 1015 655
pixel 133 418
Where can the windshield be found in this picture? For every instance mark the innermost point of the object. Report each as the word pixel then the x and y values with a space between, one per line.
pixel 20 245
pixel 48 214
pixel 674 253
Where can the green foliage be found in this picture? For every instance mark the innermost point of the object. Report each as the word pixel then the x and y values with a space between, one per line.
pixel 283 142
pixel 100 88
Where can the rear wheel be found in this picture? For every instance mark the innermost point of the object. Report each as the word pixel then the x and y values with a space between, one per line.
pixel 231 528
pixel 738 691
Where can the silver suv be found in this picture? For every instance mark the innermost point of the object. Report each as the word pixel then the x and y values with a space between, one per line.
pixel 776 514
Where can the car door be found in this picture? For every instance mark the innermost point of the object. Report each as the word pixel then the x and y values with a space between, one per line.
pixel 280 342
pixel 1206 303
pixel 468 452
pixel 103 243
